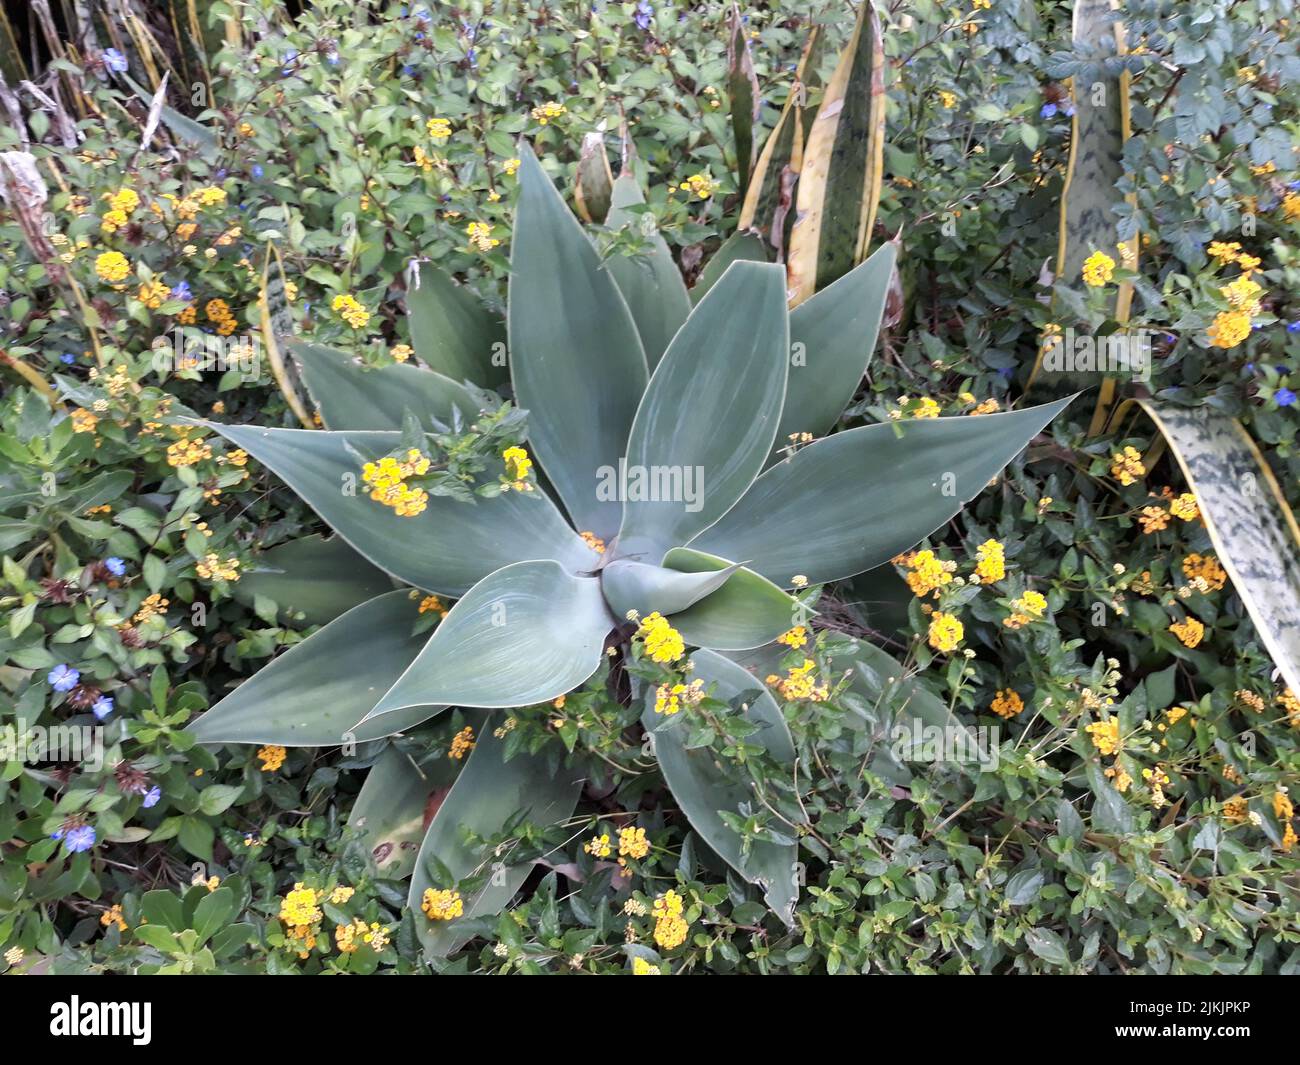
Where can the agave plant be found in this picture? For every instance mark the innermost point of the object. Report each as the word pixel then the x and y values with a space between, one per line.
pixel 670 489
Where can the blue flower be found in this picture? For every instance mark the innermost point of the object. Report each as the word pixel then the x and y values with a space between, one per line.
pixel 81 838
pixel 63 678
pixel 115 566
pixel 181 291
pixel 67 359
pixel 644 13
pixel 257 171
pixel 152 796
pixel 1293 327
pixel 1284 397
pixel 115 60
pixel 102 707
pixel 1047 110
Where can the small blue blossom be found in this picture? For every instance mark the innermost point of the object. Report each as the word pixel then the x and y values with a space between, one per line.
pixel 78 839
pixel 152 796
pixel 67 358
pixel 644 14
pixel 63 678
pixel 115 566
pixel 102 707
pixel 257 171
pixel 1048 110
pixel 1284 397
pixel 1293 327
pixel 115 60
pixel 181 291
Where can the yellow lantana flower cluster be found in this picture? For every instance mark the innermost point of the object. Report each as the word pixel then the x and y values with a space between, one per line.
pixel 387 481
pixel 112 266
pixel 347 308
pixel 442 904
pixel 662 642
pixel 271 756
pixel 1007 703
pixel 673 698
pixel 991 565
pixel 518 467
pixel 186 452
pixel 439 129
pixel 799 683
pixel 1126 466
pixel 928 573
pixel 700 185
pixel 480 236
pixel 548 112
pixel 212 568
pixel 670 924
pixel 796 637
pixel 946 631
pixel 461 744
pixel 1098 269
pixel 1105 735
pixel 1190 632
pixel 1204 572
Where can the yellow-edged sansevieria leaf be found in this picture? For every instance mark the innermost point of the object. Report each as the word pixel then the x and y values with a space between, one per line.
pixel 1089 222
pixel 839 181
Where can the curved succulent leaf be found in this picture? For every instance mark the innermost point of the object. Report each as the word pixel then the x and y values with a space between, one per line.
pixel 858 498
pixel 739 247
pixel 452 331
pixel 644 588
pixel 390 808
pixel 652 285
pixel 351 396
pixel 842 167
pixel 832 338
pixel 575 355
pixel 709 416
pixel 314 578
pixel 446 549
pixel 702 789
pixel 753 612
pixel 524 634
pixel 314 694
pixel 489 795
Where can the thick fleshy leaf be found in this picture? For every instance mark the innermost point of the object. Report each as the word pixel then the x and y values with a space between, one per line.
pixel 739 247
pixel 575 355
pixel 523 635
pixel 352 396
pixel 313 579
pixel 747 611
pixel 832 338
pixel 856 499
pixel 708 418
pixel 651 283
pixel 593 184
pixel 489 795
pixel 743 93
pixel 647 589
pixel 843 164
pixel 702 789
pixel 390 808
pixel 768 200
pixel 452 331
pixel 315 693
pixel 448 548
